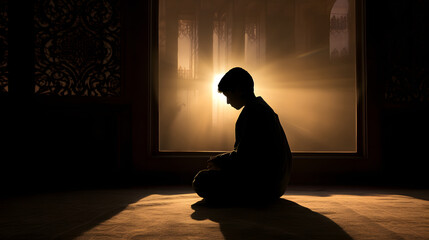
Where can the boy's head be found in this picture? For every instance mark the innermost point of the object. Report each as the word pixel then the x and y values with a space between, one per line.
pixel 237 86
pixel 236 79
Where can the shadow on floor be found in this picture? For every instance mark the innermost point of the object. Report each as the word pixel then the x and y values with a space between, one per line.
pixel 62 215
pixel 282 220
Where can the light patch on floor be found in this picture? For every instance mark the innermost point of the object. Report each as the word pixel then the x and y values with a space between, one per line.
pixel 171 213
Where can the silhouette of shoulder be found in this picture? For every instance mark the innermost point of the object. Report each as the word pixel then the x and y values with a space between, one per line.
pixel 259 109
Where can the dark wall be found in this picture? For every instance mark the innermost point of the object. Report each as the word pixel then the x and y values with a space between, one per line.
pixel 61 145
pixel 53 141
pixel 398 81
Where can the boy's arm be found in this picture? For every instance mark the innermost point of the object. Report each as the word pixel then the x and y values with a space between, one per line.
pixel 222 161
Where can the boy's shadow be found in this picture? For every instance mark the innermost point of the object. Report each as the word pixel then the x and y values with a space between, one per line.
pixel 283 219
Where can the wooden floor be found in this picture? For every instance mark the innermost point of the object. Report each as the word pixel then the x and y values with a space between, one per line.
pixel 172 213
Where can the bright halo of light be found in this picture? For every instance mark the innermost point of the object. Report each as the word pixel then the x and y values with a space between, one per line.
pixel 217 97
pixel 219 103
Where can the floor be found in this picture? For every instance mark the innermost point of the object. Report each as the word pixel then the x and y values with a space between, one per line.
pixel 176 213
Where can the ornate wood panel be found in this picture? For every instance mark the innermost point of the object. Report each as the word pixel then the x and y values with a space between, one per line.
pixel 406 42
pixel 77 47
pixel 3 47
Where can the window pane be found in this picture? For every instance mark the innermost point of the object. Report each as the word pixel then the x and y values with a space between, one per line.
pixel 301 55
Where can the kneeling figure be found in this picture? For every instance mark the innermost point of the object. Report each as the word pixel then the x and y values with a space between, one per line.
pixel 258 169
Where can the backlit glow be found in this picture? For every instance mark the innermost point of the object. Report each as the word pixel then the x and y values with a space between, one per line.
pixel 217 96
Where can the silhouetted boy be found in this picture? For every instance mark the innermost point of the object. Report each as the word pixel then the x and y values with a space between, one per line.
pixel 258 169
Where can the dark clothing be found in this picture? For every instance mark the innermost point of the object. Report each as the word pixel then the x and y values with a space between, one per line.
pixel 260 163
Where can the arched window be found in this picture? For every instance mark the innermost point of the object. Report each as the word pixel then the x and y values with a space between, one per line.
pixel 339 30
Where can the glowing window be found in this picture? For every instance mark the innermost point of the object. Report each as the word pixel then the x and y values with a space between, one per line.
pixel 301 57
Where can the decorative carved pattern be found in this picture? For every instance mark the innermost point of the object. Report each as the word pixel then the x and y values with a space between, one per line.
pixel 408 85
pixel 252 31
pixel 187 36
pixel 339 23
pixel 3 47
pixel 405 53
pixel 77 47
pixel 186 28
pixel 219 27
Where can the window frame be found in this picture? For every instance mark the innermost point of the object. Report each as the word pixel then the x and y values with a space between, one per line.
pixel 361 94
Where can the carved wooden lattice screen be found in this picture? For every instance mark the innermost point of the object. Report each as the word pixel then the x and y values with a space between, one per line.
pixel 3 47
pixel 77 47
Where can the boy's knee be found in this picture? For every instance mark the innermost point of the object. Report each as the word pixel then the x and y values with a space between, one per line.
pixel 199 179
pixel 199 183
